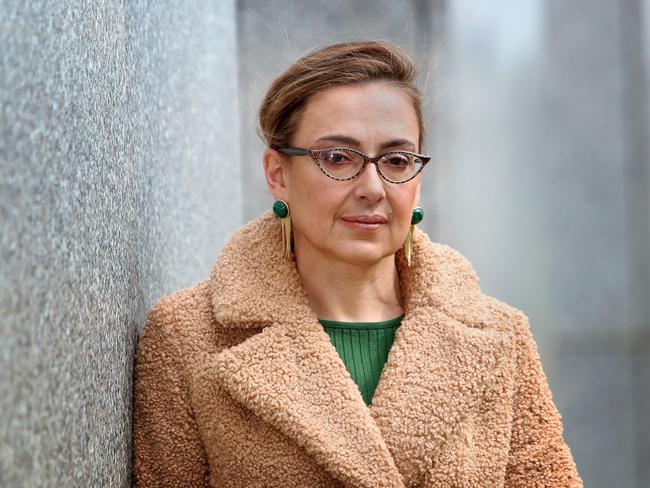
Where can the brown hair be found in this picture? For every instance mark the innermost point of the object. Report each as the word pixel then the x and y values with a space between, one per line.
pixel 335 65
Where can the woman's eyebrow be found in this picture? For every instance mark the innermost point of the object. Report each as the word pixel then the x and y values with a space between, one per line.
pixel 355 142
pixel 339 138
pixel 398 142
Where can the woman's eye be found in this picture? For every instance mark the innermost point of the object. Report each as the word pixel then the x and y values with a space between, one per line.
pixel 398 160
pixel 335 157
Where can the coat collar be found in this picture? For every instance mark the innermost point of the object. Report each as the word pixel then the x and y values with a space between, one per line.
pixel 444 356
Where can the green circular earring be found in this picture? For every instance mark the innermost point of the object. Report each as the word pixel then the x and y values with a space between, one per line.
pixel 417 215
pixel 280 208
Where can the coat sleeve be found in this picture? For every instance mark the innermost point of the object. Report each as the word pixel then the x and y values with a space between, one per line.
pixel 168 451
pixel 539 456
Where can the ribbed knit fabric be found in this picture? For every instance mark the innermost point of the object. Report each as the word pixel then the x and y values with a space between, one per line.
pixel 363 347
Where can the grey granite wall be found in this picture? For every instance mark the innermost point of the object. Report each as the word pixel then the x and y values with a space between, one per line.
pixel 119 182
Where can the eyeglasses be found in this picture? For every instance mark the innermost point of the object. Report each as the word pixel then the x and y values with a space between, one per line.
pixel 344 163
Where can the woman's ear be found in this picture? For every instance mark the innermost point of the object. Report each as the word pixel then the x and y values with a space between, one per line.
pixel 276 170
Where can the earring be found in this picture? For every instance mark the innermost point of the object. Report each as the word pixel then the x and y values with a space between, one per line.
pixel 281 210
pixel 416 218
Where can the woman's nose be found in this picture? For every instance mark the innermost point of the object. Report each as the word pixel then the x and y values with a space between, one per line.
pixel 370 185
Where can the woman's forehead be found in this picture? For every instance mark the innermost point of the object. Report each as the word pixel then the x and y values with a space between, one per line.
pixel 378 110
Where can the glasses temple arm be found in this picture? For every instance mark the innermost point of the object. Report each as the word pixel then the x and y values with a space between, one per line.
pixel 293 151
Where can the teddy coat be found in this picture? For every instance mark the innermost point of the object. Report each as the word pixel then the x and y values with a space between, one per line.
pixel 238 385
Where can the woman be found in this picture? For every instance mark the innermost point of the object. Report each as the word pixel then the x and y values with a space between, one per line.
pixel 334 344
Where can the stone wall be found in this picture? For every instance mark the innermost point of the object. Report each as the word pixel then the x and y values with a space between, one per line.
pixel 119 147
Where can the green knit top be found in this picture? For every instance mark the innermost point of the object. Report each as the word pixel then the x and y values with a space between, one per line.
pixel 363 347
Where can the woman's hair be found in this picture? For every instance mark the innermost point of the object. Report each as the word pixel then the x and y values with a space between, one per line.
pixel 335 65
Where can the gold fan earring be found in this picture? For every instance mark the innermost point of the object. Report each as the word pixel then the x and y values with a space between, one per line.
pixel 416 218
pixel 281 210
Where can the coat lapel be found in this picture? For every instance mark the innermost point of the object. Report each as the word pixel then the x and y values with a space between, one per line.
pixel 436 374
pixel 293 379
pixel 291 376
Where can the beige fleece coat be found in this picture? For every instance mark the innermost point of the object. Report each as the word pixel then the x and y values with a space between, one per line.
pixel 238 385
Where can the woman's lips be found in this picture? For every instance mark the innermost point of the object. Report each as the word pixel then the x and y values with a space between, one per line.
pixel 363 225
pixel 368 223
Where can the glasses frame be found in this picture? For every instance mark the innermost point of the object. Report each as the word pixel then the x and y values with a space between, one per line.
pixel 299 151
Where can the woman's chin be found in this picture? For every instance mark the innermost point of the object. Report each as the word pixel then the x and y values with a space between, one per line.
pixel 363 253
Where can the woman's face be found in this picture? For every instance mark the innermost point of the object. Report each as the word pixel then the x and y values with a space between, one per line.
pixel 372 117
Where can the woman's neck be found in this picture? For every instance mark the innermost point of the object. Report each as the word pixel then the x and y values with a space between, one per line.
pixel 350 293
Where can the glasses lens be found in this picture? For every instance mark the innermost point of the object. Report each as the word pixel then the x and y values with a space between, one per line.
pixel 399 166
pixel 339 163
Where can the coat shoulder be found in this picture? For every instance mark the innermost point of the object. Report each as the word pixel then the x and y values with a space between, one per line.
pixel 183 324
pixel 445 265
pixel 179 315
pixel 465 299
pixel 508 318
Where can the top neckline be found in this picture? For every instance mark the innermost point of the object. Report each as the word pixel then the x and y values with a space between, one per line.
pixel 383 324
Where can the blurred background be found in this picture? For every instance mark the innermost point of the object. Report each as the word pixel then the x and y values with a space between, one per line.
pixel 129 154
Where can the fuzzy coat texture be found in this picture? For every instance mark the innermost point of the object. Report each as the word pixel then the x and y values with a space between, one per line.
pixel 238 385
